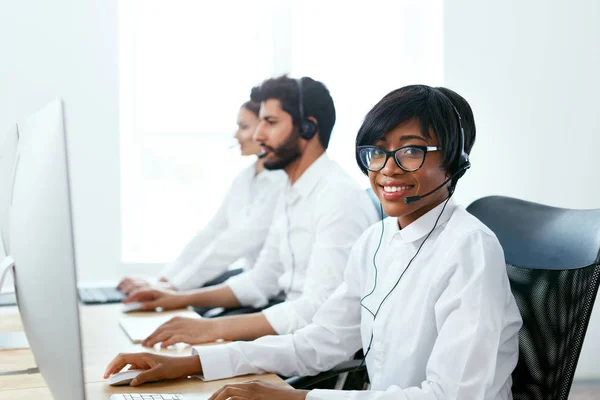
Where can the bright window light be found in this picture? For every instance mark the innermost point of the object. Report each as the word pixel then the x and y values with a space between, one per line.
pixel 186 66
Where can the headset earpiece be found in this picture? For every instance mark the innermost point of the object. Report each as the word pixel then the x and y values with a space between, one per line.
pixel 463 161
pixel 308 128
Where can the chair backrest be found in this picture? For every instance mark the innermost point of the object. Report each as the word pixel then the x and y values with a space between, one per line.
pixel 553 264
pixel 376 203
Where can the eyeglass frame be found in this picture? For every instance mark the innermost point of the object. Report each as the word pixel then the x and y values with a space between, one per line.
pixel 392 153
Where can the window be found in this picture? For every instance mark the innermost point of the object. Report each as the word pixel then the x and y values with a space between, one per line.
pixel 186 66
pixel 369 50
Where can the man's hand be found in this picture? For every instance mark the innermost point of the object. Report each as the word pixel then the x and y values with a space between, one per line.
pixel 153 298
pixel 132 283
pixel 254 390
pixel 184 330
pixel 156 367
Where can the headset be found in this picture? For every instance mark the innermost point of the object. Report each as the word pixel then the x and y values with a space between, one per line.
pixel 463 161
pixel 462 166
pixel 308 128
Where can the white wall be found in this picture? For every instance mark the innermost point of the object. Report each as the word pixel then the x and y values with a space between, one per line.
pixel 531 71
pixel 68 49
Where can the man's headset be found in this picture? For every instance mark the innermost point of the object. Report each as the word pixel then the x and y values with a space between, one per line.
pixel 308 128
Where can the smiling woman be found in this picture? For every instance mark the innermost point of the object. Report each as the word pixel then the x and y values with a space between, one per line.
pixel 410 173
pixel 429 147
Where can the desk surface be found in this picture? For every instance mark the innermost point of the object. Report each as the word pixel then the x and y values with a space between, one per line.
pixel 102 340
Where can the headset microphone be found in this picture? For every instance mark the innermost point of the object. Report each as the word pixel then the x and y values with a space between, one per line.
pixel 283 146
pixel 413 199
pixel 262 154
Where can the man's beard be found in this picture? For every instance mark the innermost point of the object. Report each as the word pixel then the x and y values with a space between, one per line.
pixel 285 153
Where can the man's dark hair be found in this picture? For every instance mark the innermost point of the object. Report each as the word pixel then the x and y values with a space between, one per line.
pixel 252 106
pixel 432 106
pixel 316 98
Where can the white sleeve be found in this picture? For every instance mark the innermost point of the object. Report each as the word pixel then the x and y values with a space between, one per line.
pixel 243 238
pixel 332 338
pixel 393 393
pixel 255 287
pixel 470 315
pixel 336 232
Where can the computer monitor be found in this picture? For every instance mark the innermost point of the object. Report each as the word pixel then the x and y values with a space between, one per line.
pixel 9 140
pixel 41 244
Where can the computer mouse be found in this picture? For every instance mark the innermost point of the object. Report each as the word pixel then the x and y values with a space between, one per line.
pixel 133 306
pixel 124 377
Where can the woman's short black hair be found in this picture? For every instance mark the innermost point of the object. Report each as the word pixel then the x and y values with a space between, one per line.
pixel 252 106
pixel 316 98
pixel 433 107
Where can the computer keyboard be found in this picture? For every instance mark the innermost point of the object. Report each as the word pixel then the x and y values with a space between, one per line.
pixel 146 396
pixel 103 295
pixel 8 299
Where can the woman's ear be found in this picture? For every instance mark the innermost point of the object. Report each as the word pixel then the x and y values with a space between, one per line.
pixel 447 173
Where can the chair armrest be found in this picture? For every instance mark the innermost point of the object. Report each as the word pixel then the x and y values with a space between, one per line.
pixel 302 382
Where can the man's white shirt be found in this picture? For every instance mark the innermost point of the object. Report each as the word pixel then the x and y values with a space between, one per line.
pixel 317 221
pixel 237 231
pixel 448 330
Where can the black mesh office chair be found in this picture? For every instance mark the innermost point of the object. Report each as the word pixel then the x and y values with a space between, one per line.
pixel 552 257
pixel 553 263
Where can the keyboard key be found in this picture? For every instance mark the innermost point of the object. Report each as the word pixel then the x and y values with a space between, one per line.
pixel 146 396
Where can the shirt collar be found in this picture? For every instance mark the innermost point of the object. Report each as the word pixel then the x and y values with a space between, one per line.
pixel 422 226
pixel 265 174
pixel 309 178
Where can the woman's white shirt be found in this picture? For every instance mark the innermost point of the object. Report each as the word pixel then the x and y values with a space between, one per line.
pixel 449 330
pixel 238 230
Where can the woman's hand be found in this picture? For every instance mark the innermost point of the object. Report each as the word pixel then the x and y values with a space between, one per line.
pixel 255 390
